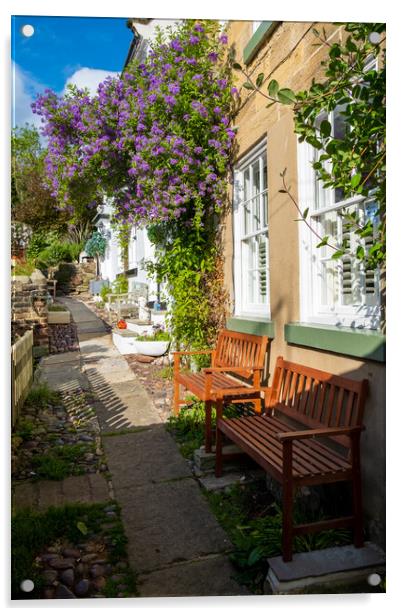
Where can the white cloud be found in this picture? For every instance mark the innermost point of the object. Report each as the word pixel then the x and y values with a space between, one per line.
pixel 24 87
pixel 89 78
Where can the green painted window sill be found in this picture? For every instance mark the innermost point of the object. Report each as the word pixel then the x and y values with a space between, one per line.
pixel 365 344
pixel 258 38
pixel 252 325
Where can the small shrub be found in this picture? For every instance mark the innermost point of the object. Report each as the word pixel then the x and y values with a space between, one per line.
pixel 25 429
pixel 157 336
pixel 55 254
pixel 41 395
pixel 23 268
pixel 57 308
pixel 104 292
pixel 120 284
pixel 60 462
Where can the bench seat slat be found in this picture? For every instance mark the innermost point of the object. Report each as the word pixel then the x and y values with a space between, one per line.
pixel 260 433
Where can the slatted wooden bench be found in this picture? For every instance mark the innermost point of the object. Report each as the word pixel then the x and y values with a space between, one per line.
pixel 237 356
pixel 308 434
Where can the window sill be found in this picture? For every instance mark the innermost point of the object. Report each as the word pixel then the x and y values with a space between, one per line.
pixel 258 38
pixel 365 344
pixel 252 325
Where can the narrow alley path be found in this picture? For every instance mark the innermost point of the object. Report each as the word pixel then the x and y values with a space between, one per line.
pixel 175 544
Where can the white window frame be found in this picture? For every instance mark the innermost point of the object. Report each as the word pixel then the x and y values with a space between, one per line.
pixel 311 309
pixel 243 307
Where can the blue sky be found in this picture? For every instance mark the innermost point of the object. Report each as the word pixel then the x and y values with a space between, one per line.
pixel 81 50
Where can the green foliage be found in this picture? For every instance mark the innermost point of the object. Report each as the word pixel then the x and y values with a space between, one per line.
pixel 156 336
pixel 57 252
pixel 188 427
pixel 25 429
pixel 257 535
pixel 187 260
pixel 23 269
pixel 354 161
pixel 41 395
pixel 120 284
pixel 57 308
pixel 104 293
pixel 96 245
pixel 32 532
pixel 60 462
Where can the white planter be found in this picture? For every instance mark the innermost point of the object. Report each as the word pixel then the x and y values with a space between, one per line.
pixel 141 330
pixel 58 317
pixel 155 348
pixel 124 343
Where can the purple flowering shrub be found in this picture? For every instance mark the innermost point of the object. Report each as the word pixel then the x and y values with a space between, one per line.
pixel 157 139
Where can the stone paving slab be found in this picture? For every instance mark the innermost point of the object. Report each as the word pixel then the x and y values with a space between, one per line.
pixel 90 488
pixel 144 457
pixel 64 377
pixel 167 523
pixel 209 577
pixel 61 358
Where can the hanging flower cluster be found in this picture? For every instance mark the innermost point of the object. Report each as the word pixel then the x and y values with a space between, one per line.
pixel 157 139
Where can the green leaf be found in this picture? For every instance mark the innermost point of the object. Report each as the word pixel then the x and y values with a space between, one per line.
pixel 237 66
pixel 282 191
pixel 273 88
pixel 360 252
pixel 286 96
pixel 259 80
pixel 323 242
pixel 305 213
pixel 355 181
pixel 337 254
pixel 254 556
pixel 82 527
pixel 325 128
pixel 248 85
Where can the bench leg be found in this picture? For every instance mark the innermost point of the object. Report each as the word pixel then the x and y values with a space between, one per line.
pixel 357 493
pixel 287 503
pixel 218 453
pixel 208 427
pixel 176 397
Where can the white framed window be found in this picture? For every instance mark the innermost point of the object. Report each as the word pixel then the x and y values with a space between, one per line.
pixel 250 232
pixel 256 25
pixel 334 292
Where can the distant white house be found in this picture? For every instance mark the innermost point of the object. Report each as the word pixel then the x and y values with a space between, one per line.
pixel 140 250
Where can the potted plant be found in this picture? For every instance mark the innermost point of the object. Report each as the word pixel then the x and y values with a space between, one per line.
pixel 155 344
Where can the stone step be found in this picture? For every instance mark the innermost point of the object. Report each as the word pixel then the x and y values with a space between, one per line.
pixel 325 569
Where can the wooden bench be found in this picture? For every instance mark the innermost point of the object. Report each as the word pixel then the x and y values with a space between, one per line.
pixel 308 434
pixel 236 356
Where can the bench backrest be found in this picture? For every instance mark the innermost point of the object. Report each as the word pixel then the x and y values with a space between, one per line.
pixel 316 398
pixel 237 350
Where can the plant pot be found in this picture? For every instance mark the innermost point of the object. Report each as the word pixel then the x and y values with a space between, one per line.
pixel 155 348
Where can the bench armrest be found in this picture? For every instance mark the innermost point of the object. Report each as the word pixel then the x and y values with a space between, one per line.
pixel 302 434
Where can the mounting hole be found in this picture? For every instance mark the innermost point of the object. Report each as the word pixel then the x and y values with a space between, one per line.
pixel 374 38
pixel 374 579
pixel 28 30
pixel 27 585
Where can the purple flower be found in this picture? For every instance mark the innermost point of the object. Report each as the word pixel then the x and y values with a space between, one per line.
pixel 174 88
pixel 193 40
pixel 198 28
pixel 223 39
pixel 176 45
pixel 213 56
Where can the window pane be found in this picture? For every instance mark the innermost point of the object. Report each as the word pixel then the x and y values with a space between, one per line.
pixel 247 205
pixel 264 197
pixel 256 189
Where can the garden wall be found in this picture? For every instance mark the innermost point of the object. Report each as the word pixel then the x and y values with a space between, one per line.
pixel 73 278
pixel 29 309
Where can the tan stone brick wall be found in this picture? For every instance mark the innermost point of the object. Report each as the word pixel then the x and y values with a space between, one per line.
pixel 289 57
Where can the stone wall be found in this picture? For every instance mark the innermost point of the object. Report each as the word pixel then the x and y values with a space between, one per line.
pixel 29 309
pixel 73 278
